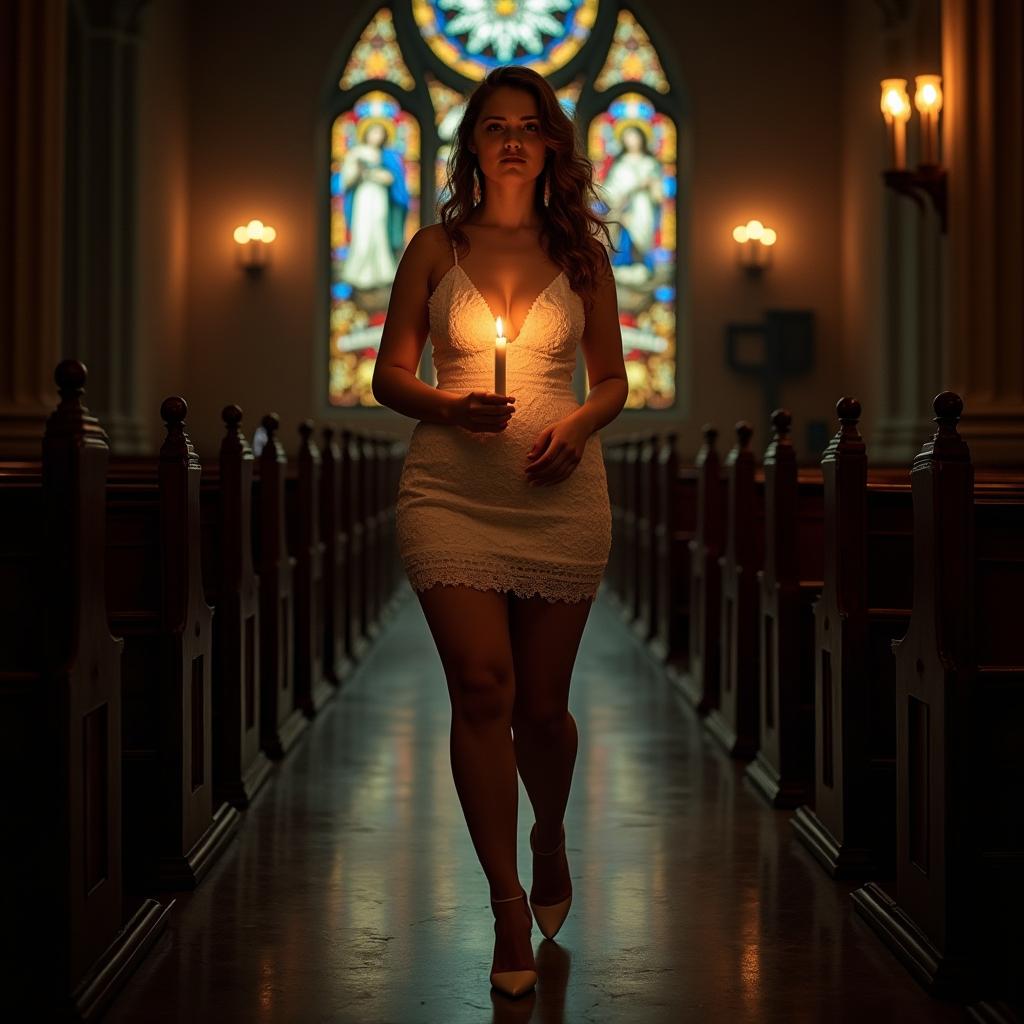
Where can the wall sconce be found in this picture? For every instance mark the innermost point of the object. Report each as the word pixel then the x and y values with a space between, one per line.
pixel 930 177
pixel 755 243
pixel 253 241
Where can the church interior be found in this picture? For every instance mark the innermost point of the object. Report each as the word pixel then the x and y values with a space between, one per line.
pixel 798 795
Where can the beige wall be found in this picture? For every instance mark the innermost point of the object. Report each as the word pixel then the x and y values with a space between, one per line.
pixel 764 88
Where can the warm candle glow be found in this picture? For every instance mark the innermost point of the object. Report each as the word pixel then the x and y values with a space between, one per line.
pixel 252 239
pixel 501 329
pixel 753 238
pixel 895 102
pixel 896 111
pixel 928 97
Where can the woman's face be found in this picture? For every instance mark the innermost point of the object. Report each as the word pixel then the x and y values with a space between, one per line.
pixel 375 135
pixel 633 140
pixel 507 138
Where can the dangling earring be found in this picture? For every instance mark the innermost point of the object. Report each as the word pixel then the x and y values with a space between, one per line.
pixel 547 187
pixel 477 196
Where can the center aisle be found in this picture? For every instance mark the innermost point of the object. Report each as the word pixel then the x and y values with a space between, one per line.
pixel 354 895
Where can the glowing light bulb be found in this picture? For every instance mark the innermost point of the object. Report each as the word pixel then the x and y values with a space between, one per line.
pixel 255 229
pixel 755 229
pixel 769 237
pixel 241 235
pixel 740 233
pixel 269 234
pixel 928 96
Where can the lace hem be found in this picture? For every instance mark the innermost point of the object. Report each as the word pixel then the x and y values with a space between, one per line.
pixel 521 577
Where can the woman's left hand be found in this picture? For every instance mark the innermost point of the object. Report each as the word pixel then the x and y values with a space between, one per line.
pixel 557 451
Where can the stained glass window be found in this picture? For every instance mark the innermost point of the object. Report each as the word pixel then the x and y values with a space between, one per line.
pixel 473 36
pixel 377 55
pixel 402 93
pixel 375 185
pixel 633 149
pixel 631 58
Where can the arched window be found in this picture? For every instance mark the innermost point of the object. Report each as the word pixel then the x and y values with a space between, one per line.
pixel 401 90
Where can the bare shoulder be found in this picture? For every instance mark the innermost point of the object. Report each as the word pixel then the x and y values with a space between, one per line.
pixel 428 253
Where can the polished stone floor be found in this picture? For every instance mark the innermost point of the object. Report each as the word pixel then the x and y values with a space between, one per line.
pixel 353 894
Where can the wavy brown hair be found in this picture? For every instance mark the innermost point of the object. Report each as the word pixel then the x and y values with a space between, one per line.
pixel 569 226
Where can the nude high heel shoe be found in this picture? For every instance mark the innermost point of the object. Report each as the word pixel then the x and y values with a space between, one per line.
pixel 550 918
pixel 514 983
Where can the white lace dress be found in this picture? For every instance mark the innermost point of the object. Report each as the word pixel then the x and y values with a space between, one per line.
pixel 466 513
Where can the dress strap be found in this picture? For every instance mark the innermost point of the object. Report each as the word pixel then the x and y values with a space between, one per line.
pixel 455 253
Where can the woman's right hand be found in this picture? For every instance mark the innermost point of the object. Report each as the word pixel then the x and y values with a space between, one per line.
pixel 482 411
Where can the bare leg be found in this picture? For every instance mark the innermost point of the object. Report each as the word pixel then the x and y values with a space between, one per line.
pixel 470 628
pixel 545 640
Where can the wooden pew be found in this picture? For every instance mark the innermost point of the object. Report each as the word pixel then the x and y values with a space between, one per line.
pixel 789 583
pixel 174 830
pixel 701 683
pixel 282 721
pixel 69 940
pixel 232 587
pixel 676 522
pixel 865 602
pixel 956 917
pixel 630 515
pixel 734 722
pixel 368 512
pixel 613 454
pixel 647 507
pixel 337 664
pixel 356 638
pixel 302 513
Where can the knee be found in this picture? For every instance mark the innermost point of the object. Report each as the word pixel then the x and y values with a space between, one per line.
pixel 482 694
pixel 544 720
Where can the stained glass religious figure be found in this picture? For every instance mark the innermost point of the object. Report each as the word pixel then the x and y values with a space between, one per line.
pixel 633 149
pixel 374 212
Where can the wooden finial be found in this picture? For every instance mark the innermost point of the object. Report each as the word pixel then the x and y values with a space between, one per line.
pixel 306 431
pixel 744 432
pixel 173 410
pixel 710 434
pixel 270 423
pixel 232 417
pixel 949 407
pixel 782 422
pixel 328 435
pixel 848 410
pixel 70 376
pixel 946 444
pixel 71 418
pixel 176 447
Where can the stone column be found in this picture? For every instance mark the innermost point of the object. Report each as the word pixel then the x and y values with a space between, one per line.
pixel 983 82
pixel 912 364
pixel 101 258
pixel 31 177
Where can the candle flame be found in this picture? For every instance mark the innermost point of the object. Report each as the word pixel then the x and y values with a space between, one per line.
pixel 501 330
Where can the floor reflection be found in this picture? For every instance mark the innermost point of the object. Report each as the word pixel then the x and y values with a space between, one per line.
pixel 353 893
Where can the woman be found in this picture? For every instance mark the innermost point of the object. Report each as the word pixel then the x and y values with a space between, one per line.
pixel 503 518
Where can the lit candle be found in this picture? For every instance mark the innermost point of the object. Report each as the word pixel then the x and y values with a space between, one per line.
pixel 896 111
pixel 928 100
pixel 499 360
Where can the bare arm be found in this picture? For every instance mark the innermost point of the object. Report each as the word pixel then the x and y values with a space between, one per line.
pixel 394 382
pixel 602 351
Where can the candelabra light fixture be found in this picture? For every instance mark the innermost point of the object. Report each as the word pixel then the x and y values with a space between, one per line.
pixel 253 240
pixel 929 179
pixel 754 245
